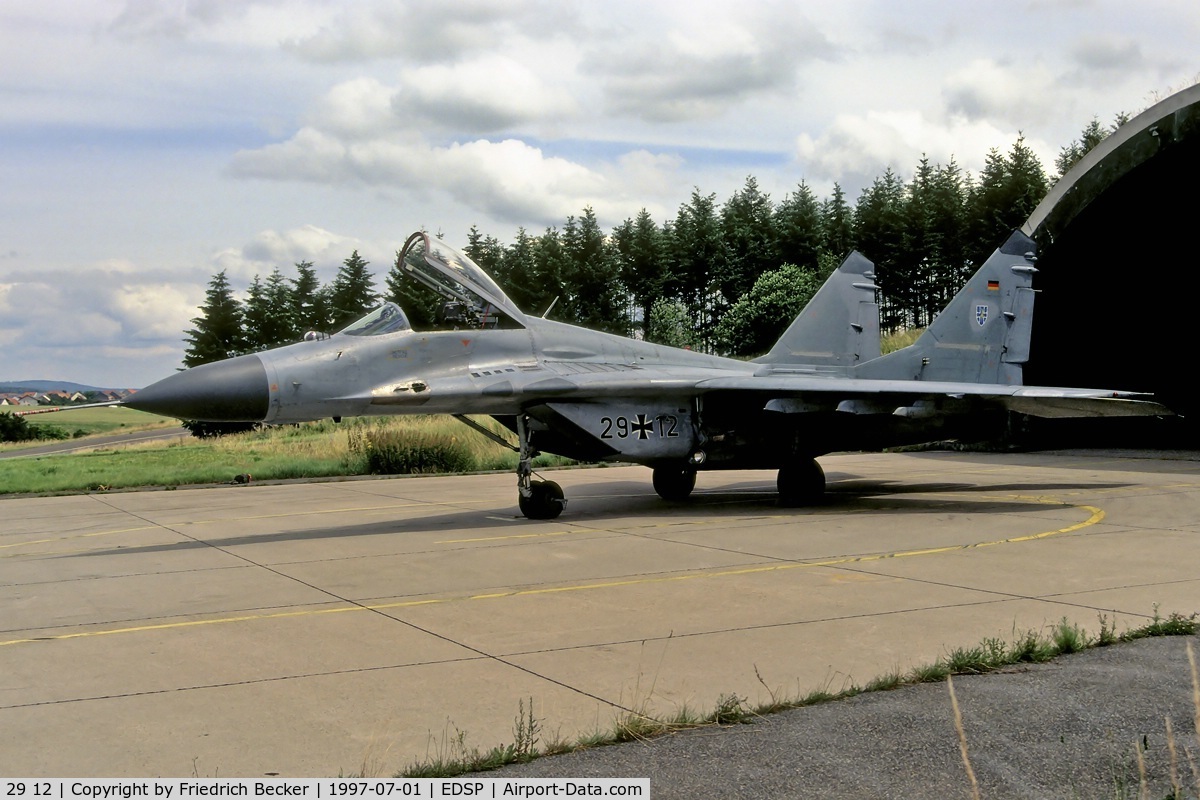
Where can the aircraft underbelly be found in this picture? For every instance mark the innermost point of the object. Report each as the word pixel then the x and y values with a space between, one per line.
pixel 642 431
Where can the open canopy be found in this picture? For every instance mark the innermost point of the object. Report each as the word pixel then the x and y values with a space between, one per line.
pixel 457 279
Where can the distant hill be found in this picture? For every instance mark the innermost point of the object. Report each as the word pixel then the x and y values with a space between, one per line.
pixel 18 387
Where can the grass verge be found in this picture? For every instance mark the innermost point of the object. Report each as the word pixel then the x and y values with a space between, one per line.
pixel 365 446
pixel 71 424
pixel 452 756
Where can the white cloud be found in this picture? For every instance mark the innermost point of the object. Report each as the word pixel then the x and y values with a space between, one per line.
pixel 255 23
pixel 1019 95
pixel 508 179
pixel 272 249
pixel 153 313
pixel 708 67
pixel 427 30
pixel 356 109
pixel 857 148
pixel 492 93
pixel 99 308
pixel 1107 53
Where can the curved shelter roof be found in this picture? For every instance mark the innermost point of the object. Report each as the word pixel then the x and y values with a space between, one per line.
pixel 1116 306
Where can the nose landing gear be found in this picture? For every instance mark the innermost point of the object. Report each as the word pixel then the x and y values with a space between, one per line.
pixel 537 499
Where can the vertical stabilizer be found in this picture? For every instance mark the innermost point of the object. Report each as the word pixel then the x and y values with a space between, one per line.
pixel 839 326
pixel 983 335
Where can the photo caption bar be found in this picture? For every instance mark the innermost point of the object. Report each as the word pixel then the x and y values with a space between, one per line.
pixel 318 788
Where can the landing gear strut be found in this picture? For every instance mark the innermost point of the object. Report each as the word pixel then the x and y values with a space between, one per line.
pixel 801 484
pixel 537 499
pixel 674 483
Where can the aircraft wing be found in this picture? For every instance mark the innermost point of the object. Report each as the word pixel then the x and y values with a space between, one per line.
pixel 1037 401
pixel 782 393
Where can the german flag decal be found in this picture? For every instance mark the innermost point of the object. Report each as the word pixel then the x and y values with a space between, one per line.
pixel 993 286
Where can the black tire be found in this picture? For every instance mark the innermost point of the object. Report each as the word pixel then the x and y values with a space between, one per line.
pixel 801 484
pixel 545 500
pixel 674 483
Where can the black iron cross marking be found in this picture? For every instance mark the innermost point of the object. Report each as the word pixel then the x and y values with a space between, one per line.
pixel 642 427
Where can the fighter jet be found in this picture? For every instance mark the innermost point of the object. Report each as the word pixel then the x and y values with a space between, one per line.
pixel 599 397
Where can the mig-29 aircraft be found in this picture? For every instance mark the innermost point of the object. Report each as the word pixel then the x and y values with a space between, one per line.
pixel 599 397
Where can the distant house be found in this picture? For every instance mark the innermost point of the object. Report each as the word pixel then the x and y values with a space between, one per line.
pixel 62 397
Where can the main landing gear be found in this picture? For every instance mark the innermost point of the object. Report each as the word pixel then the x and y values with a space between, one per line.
pixel 674 483
pixel 801 484
pixel 537 499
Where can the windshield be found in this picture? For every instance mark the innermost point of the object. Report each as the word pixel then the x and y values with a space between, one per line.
pixel 388 318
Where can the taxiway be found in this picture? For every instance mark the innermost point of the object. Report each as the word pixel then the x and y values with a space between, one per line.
pixel 317 629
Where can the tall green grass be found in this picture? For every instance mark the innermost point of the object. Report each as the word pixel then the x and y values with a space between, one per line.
pixel 383 446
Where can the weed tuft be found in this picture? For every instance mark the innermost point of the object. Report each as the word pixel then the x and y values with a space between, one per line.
pixel 929 673
pixel 1174 625
pixel 731 710
pixel 1030 648
pixel 885 682
pixel 1108 634
pixel 1069 638
pixel 635 726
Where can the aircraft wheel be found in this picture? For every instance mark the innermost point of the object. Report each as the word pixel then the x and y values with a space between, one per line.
pixel 545 500
pixel 801 484
pixel 674 483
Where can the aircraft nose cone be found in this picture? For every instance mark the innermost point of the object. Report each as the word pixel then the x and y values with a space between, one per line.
pixel 235 390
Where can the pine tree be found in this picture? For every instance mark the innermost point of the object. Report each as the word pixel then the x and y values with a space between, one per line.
pixel 523 284
pixel 1008 191
pixel 487 252
pixel 549 266
pixel 218 330
pixel 798 227
pixel 310 301
pixel 352 293
pixel 268 314
pixel 254 317
pixel 696 245
pixel 932 254
pixel 641 254
pixel 593 293
pixel 879 231
pixel 1092 135
pixel 750 239
pixel 837 225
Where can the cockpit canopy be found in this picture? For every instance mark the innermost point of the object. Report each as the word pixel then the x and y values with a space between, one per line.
pixel 470 299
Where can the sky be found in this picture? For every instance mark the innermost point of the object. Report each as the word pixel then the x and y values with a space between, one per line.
pixel 146 145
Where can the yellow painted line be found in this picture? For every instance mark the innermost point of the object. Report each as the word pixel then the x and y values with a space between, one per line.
pixel 513 536
pixel 1096 516
pixel 611 531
